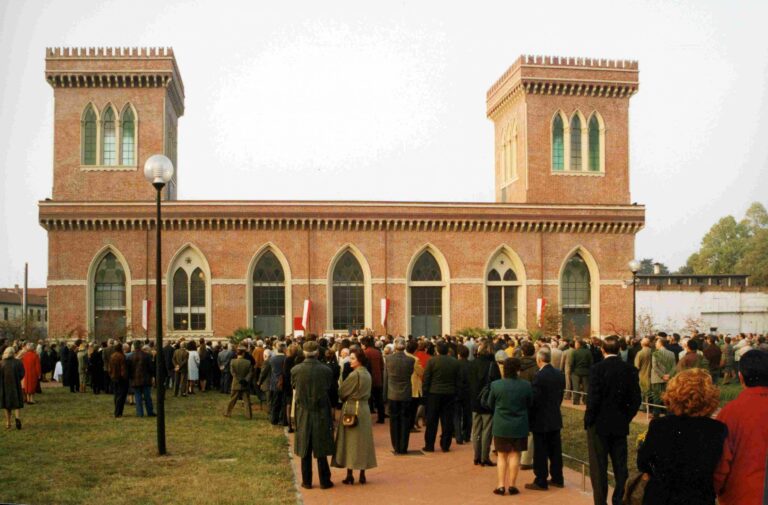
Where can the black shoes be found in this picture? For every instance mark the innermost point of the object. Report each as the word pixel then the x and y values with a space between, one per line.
pixel 499 491
pixel 348 480
pixel 513 490
pixel 533 486
pixel 18 424
pixel 327 485
pixel 306 486
pixel 488 463
pixel 427 449
pixel 560 485
pixel 477 462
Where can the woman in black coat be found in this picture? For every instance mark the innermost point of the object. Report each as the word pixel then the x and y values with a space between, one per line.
pixel 11 397
pixel 681 450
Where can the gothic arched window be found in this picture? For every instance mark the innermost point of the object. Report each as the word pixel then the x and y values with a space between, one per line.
pixel 269 295
pixel 575 296
pixel 108 144
pixel 348 293
pixel 128 137
pixel 109 298
pixel 558 144
pixel 575 142
pixel 595 164
pixel 89 136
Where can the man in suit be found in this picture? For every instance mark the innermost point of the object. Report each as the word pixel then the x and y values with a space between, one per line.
pixel 441 383
pixel 273 372
pixel 167 354
pixel 180 368
pixel 224 361
pixel 662 369
pixel 612 401
pixel 565 367
pixel 312 382
pixel 399 372
pixel 643 364
pixel 376 368
pixel 240 371
pixel 580 362
pixel 546 422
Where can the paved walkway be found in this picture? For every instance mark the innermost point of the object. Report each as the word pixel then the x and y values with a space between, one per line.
pixel 441 478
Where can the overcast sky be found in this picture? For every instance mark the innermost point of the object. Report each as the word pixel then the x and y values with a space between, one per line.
pixel 386 101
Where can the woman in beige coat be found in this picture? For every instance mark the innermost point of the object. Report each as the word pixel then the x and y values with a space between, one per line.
pixel 354 444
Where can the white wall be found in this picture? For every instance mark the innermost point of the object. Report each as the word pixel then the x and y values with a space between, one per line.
pixel 729 311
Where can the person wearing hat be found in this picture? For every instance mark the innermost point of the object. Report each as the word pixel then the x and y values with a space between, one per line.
pixel 312 382
pixel 241 371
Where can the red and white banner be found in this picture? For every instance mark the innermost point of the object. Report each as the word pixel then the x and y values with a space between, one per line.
pixel 384 311
pixel 305 314
pixel 541 304
pixel 146 309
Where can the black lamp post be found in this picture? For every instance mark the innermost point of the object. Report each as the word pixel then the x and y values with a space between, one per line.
pixel 159 170
pixel 634 267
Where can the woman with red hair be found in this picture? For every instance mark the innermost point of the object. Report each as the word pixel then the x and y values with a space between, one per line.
pixel 681 450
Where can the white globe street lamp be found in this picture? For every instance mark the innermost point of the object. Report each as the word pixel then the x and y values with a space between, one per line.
pixel 158 170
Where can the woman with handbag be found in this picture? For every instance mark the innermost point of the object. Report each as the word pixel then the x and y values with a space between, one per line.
pixel 681 450
pixel 354 437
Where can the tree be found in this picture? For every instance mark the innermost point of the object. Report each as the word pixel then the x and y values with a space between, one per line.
pixel 721 248
pixel 755 259
pixel 756 218
pixel 646 267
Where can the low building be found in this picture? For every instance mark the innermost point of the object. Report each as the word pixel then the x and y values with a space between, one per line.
pixel 11 306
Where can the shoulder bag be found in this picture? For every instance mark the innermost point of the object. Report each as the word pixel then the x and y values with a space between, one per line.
pixel 350 420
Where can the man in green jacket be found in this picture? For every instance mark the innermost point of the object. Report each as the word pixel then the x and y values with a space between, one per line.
pixel 312 382
pixel 241 371
pixel 662 369
pixel 643 365
pixel 580 361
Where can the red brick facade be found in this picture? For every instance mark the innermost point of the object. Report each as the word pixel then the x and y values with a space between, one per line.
pixel 553 215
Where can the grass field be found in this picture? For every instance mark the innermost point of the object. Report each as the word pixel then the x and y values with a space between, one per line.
pixel 71 450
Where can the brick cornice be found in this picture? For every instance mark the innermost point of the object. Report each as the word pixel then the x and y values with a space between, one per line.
pixel 358 216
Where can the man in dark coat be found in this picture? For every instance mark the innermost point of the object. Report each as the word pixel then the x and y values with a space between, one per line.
pixel 546 422
pixel 73 369
pixel 167 353
pixel 11 396
pixel 399 371
pixel 612 401
pixel 442 379
pixel 312 382
pixel 118 373
pixel 64 358
pixel 462 418
pixel 140 372
pixel 376 368
pixel 180 363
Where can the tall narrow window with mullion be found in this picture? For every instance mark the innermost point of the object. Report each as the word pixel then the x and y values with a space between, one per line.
pixel 89 136
pixel 197 300
pixel 575 142
pixel 348 292
pixel 108 147
pixel 576 297
pixel 558 145
pixel 594 145
pixel 180 300
pixel 109 298
pixel 127 138
pixel 269 295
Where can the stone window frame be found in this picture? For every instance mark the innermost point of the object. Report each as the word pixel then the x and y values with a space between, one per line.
pixel 594 285
pixel 288 283
pixel 100 166
pixel 444 283
pixel 197 259
pixel 508 154
pixel 90 296
pixel 367 288
pixel 585 121
pixel 518 267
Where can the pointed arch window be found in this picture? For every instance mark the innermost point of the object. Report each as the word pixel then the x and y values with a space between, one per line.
pixel 426 296
pixel 269 295
pixel 575 142
pixel 89 136
pixel 189 298
pixel 109 298
pixel 558 144
pixel 575 296
pixel 502 294
pixel 180 300
pixel 595 164
pixel 128 137
pixel 108 144
pixel 348 293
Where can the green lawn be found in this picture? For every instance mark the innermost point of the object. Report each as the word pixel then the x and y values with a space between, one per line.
pixel 71 450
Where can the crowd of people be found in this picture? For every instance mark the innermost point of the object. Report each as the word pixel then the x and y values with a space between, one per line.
pixel 502 392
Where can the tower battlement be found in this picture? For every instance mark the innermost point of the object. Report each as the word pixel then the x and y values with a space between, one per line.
pixel 108 52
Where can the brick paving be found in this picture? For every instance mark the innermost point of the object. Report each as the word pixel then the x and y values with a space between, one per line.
pixel 443 478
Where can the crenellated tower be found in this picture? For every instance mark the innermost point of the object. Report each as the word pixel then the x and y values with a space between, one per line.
pixel 113 108
pixel 562 130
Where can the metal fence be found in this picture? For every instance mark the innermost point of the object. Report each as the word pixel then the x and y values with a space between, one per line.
pixel 646 406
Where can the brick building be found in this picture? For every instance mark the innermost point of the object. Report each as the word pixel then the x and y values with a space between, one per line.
pixel 562 228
